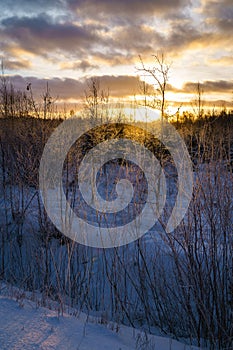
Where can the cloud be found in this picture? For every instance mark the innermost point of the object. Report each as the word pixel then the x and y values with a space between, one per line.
pixel 224 60
pixel 41 34
pixel 65 89
pixel 10 64
pixel 182 36
pixel 218 14
pixel 136 39
pixel 94 36
pixel 125 8
pixel 220 86
pixel 104 9
pixel 79 43
pixel 22 7
pixel 83 65
pixel 121 86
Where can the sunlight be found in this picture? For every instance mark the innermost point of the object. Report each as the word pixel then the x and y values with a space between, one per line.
pixel 135 113
pixel 149 115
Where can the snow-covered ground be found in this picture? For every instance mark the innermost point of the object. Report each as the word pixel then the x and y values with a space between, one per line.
pixel 24 325
pixel 143 283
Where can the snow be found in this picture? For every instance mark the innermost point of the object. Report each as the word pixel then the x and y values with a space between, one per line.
pixel 24 325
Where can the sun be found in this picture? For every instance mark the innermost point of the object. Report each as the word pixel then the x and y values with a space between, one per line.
pixel 137 113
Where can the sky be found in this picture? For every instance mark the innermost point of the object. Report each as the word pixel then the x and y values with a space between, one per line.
pixel 66 42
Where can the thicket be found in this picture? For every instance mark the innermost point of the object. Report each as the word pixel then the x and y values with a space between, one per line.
pixel 181 283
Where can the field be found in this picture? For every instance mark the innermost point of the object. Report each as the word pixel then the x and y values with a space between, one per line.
pixel 177 284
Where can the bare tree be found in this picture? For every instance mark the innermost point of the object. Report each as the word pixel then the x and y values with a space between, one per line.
pixel 159 72
pixel 96 99
pixel 4 103
pixel 198 101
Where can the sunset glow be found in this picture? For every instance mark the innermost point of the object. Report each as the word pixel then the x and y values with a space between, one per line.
pixel 67 42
